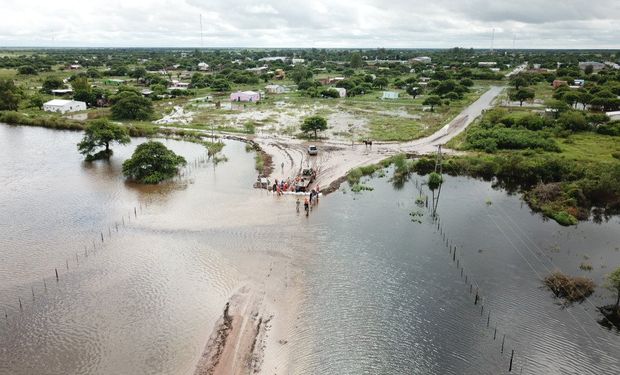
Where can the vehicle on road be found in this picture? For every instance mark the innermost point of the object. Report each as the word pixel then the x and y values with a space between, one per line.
pixel 304 179
pixel 312 150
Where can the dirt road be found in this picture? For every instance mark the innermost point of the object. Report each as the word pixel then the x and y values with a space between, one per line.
pixel 335 159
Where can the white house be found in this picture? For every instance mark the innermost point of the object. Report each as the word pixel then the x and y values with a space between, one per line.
pixel 389 95
pixel 487 64
pixel 63 106
pixel 203 66
pixel 421 60
pixel 245 96
pixel 341 91
pixel 615 115
pixel 275 89
pixel 297 61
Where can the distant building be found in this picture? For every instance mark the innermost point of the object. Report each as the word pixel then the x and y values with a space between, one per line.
pixel 557 83
pixel 259 70
pixel 279 74
pixel 203 66
pixel 389 95
pixel 64 106
pixel 579 82
pixel 275 89
pixel 596 66
pixel 274 58
pixel 421 60
pixel 146 92
pixel 62 91
pixel 613 115
pixel 487 64
pixel 297 61
pixel 245 96
pixel 341 91
pixel 75 66
pixel 612 65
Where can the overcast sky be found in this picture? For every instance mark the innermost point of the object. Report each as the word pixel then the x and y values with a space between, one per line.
pixel 312 23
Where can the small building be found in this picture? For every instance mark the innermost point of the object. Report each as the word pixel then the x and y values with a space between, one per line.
pixel 62 91
pixel 487 64
pixel 75 66
pixel 579 82
pixel 389 95
pixel 615 115
pixel 179 85
pixel 557 83
pixel 64 106
pixel 203 66
pixel 421 60
pixel 245 96
pixel 146 92
pixel 275 89
pixel 258 70
pixel 297 61
pixel 341 91
pixel 273 58
pixel 279 74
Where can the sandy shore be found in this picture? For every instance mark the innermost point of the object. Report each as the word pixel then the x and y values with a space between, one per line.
pixel 252 334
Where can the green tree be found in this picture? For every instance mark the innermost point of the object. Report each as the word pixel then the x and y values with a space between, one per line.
pixel 101 133
pixel 519 82
pixel 52 83
pixel 356 60
pixel 380 83
pixel 589 69
pixel 82 91
pixel 314 124
pixel 414 91
pixel 36 101
pixel 557 107
pixel 27 70
pixel 138 73
pixel 152 163
pixel 613 280
pixel 521 95
pixel 9 95
pixel 432 100
pixel 300 73
pixel 129 105
pixel 220 85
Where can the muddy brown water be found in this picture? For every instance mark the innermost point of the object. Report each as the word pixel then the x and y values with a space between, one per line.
pixel 381 293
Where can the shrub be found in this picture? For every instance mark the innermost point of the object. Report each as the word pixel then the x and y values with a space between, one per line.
pixel 571 289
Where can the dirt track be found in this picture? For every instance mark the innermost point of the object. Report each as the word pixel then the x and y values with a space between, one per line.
pixel 335 159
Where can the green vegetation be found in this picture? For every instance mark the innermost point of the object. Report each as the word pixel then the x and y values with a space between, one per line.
pixel 101 133
pixel 152 163
pixel 9 95
pixel 129 105
pixel 314 124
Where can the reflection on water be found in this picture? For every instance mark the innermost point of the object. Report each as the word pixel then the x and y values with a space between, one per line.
pixel 381 294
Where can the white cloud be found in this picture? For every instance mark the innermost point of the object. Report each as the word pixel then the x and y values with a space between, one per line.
pixel 315 23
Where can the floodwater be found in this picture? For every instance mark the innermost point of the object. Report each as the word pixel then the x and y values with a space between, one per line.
pixel 381 293
pixel 146 299
pixel 386 296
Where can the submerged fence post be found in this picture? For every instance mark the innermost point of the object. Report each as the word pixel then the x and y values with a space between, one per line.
pixel 56 269
pixel 495 332
pixel 488 319
pixel 20 304
pixel 101 236
pixel 511 356
pixel 503 340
